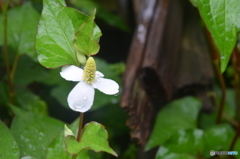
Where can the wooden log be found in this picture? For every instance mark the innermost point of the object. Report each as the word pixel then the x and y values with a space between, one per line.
pixel 164 62
pixel 141 84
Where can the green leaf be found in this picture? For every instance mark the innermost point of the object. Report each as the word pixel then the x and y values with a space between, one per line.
pixel 207 120
pixel 28 157
pixel 237 148
pixel 34 132
pixel 31 102
pixel 223 21
pixel 94 137
pixel 103 14
pixel 85 41
pixel 9 148
pixel 57 27
pixel 67 131
pixel 178 115
pixel 57 150
pixel 217 138
pixel 165 153
pixel 186 141
pixel 22 26
pixel 29 71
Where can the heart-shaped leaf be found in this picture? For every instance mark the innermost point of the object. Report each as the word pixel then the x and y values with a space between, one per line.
pixel 57 27
pixel 9 147
pixel 94 137
pixel 223 21
pixel 85 41
pixel 167 123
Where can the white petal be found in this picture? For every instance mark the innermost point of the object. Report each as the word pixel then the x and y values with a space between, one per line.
pixel 81 97
pixel 99 74
pixel 71 73
pixel 106 86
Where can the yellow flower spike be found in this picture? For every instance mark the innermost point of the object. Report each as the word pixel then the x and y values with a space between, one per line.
pixel 89 71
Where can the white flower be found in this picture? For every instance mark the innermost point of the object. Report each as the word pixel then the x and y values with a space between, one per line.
pixel 82 95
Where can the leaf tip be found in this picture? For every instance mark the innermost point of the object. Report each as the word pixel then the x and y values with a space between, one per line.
pixel 67 131
pixel 223 63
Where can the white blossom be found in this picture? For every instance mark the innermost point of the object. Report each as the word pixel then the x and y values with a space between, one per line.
pixel 82 95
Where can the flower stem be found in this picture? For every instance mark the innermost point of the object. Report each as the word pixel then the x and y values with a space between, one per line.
pixel 215 57
pixel 79 135
pixel 80 127
pixel 5 51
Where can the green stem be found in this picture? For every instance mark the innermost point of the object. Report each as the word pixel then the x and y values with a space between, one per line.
pixel 79 131
pixel 215 56
pixel 15 63
pixel 5 51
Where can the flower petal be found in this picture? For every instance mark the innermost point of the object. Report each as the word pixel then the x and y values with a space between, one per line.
pixel 99 74
pixel 81 97
pixel 106 86
pixel 71 73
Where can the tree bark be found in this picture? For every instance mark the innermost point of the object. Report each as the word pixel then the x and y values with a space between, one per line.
pixel 169 58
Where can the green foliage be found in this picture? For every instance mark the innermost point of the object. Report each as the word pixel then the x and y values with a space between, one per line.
pixel 186 141
pixel 108 17
pixel 223 21
pixel 94 137
pixel 67 36
pixel 29 71
pixel 31 102
pixel 9 148
pixel 187 111
pixel 217 138
pixel 86 39
pixel 57 149
pixel 28 157
pixel 164 153
pixel 57 27
pixel 237 148
pixel 22 26
pixel 33 132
